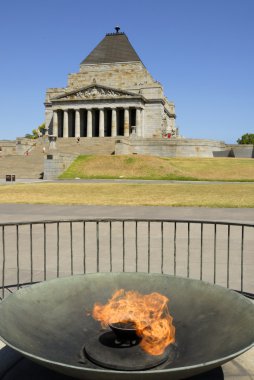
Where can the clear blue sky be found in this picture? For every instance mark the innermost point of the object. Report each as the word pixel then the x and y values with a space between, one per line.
pixel 202 51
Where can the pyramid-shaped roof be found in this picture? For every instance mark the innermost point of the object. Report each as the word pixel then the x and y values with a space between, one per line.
pixel 115 47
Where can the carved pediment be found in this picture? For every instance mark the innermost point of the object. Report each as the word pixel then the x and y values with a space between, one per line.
pixel 93 92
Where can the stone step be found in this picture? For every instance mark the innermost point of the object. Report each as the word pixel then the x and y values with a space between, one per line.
pixel 32 165
pixel 26 166
pixel 96 145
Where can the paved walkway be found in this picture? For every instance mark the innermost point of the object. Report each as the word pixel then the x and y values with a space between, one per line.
pixel 23 212
pixel 119 180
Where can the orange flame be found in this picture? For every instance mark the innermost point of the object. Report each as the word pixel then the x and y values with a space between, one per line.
pixel 149 313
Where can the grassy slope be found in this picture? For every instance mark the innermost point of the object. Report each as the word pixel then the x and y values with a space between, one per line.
pixel 147 167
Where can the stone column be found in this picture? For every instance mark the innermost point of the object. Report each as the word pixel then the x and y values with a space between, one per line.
pixel 55 123
pixel 113 126
pixel 142 122
pixel 126 122
pixel 77 123
pixel 65 124
pixel 138 122
pixel 101 123
pixel 89 123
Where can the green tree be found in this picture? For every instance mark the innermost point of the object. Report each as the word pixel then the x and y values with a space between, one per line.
pixel 247 138
pixel 29 136
pixel 36 132
pixel 41 128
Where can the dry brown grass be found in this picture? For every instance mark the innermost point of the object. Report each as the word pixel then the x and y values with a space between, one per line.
pixel 216 168
pixel 148 167
pixel 201 195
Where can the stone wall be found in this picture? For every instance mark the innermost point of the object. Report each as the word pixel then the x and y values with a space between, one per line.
pixel 242 150
pixel 126 76
pixel 153 120
pixel 16 147
pixel 7 147
pixel 235 150
pixel 169 147
pixel 132 76
pixel 56 163
pixel 23 145
pixel 224 153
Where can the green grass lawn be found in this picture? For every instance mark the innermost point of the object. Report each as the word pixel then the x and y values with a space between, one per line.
pixel 158 168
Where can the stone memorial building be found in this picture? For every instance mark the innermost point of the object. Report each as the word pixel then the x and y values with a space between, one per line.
pixel 113 94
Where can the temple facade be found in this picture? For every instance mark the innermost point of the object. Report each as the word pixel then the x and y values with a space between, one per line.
pixel 112 95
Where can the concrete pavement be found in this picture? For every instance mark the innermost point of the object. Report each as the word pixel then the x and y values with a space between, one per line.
pixel 24 212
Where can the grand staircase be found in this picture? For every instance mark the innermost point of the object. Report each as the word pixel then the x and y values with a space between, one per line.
pixel 32 165
pixel 95 145
pixel 25 166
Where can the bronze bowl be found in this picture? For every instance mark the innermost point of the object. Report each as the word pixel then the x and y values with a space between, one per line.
pixel 49 323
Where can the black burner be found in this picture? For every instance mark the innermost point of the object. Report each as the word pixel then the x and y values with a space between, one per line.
pixel 106 350
pixel 125 332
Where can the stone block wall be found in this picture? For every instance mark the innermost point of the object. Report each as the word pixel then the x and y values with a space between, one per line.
pixel 242 150
pixel 224 153
pixel 153 115
pixel 52 92
pixel 23 145
pixel 118 75
pixel 7 147
pixel 56 163
pixel 16 147
pixel 152 92
pixel 169 148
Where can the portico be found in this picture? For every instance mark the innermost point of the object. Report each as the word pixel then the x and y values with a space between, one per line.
pixel 97 121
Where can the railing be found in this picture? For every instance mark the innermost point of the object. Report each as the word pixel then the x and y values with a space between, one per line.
pixel 218 252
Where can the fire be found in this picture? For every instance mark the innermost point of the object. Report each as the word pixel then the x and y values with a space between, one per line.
pixel 149 313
